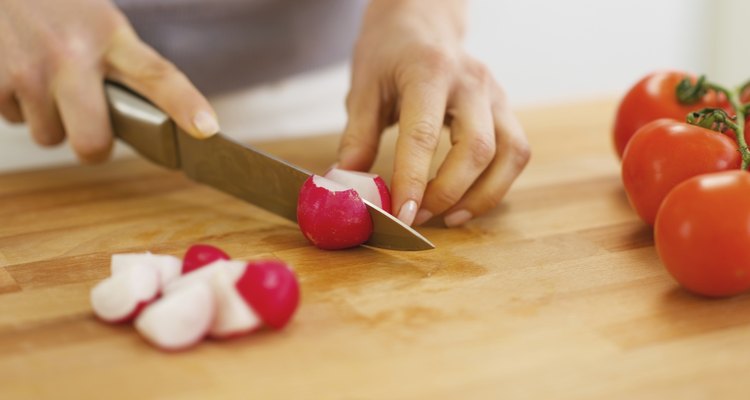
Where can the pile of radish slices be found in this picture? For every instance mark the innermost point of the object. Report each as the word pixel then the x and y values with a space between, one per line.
pixel 176 303
pixel 330 210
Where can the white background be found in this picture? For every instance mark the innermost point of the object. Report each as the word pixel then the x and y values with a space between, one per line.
pixel 542 51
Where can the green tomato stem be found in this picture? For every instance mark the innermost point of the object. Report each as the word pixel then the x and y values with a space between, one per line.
pixel 733 96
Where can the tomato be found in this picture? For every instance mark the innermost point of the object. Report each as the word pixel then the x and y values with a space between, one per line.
pixel 654 97
pixel 703 233
pixel 663 153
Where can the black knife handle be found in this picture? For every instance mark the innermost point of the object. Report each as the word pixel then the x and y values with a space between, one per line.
pixel 143 126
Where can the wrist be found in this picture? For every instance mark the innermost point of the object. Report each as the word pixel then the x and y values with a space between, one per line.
pixel 441 21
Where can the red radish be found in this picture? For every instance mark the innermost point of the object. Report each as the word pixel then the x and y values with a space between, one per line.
pixel 121 297
pixel 271 288
pixel 180 319
pixel 332 216
pixel 199 255
pixel 205 274
pixel 370 187
pixel 234 316
pixel 168 267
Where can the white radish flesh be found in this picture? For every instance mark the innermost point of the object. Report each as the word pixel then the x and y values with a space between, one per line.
pixel 180 319
pixel 168 267
pixel 234 316
pixel 370 187
pixel 121 297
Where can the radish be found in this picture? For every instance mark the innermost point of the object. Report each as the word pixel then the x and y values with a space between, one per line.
pixel 206 273
pixel 234 316
pixel 271 288
pixel 332 216
pixel 370 187
pixel 168 267
pixel 180 319
pixel 121 297
pixel 199 255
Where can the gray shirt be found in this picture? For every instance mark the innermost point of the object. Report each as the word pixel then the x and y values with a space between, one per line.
pixel 225 45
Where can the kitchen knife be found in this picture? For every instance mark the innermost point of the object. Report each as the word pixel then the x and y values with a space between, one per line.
pixel 234 168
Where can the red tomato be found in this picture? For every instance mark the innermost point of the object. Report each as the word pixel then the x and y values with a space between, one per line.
pixel 703 233
pixel 663 153
pixel 654 97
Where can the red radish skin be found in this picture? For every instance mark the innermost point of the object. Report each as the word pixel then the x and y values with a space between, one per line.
pixel 199 255
pixel 180 319
pixel 122 297
pixel 332 216
pixel 370 187
pixel 271 288
pixel 168 267
pixel 234 316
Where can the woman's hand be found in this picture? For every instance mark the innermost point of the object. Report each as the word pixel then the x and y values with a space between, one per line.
pixel 54 57
pixel 409 67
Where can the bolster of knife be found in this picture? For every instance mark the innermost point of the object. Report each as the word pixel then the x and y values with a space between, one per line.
pixel 143 126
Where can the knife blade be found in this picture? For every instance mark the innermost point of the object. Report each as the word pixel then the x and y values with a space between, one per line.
pixel 234 168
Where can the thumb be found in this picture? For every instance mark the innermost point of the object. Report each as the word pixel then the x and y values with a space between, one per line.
pixel 359 143
pixel 141 68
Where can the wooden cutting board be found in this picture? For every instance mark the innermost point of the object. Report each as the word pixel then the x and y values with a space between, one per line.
pixel 556 294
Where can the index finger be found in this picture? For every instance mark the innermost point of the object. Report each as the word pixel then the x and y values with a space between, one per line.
pixel 140 67
pixel 421 120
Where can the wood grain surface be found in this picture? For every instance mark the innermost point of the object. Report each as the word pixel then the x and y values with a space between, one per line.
pixel 556 294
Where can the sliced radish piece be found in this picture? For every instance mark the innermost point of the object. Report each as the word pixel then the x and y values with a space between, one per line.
pixel 199 255
pixel 271 288
pixel 180 319
pixel 205 274
pixel 121 297
pixel 332 216
pixel 168 267
pixel 234 316
pixel 370 187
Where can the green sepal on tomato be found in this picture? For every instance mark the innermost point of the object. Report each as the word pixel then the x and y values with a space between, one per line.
pixel 702 233
pixel 665 152
pixel 654 97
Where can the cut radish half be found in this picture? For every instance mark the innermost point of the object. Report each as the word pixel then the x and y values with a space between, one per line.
pixel 332 216
pixel 205 274
pixel 168 267
pixel 121 297
pixel 234 316
pixel 370 187
pixel 180 319
pixel 199 255
pixel 271 288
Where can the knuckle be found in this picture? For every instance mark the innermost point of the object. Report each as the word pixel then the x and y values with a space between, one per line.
pixel 411 179
pixel 424 135
pixel 482 149
pixel 444 196
pixel 521 153
pixel 437 59
pixel 477 75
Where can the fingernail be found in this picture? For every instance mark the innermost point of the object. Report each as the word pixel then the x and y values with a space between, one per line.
pixel 408 212
pixel 206 123
pixel 457 218
pixel 422 217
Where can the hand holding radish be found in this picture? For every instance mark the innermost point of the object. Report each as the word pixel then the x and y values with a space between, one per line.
pixel 410 68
